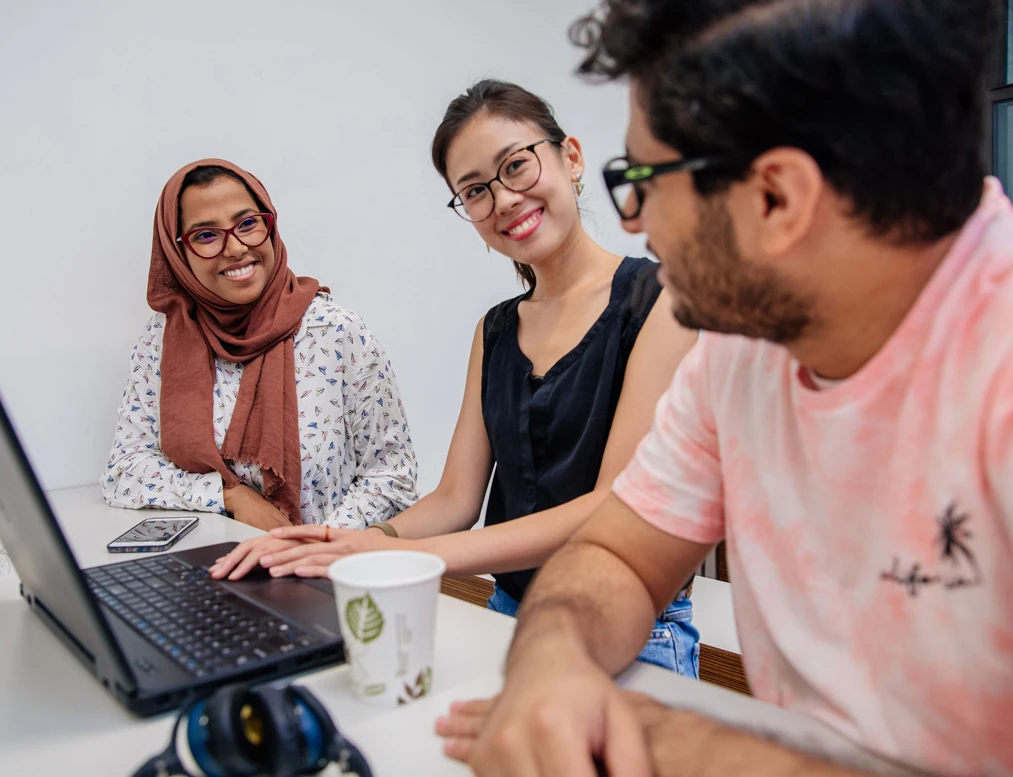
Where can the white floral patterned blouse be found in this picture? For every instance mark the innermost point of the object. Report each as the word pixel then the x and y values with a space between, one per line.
pixel 358 461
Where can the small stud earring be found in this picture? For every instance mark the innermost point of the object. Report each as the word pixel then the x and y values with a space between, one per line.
pixel 578 187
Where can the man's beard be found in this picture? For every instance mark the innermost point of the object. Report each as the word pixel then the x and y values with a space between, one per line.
pixel 717 291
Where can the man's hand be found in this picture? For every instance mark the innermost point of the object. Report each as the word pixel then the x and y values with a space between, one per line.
pixel 462 725
pixel 675 738
pixel 556 717
pixel 249 506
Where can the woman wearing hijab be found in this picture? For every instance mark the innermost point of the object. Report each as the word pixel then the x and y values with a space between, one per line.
pixel 251 392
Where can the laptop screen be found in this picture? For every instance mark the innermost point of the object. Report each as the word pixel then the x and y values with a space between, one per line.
pixel 50 578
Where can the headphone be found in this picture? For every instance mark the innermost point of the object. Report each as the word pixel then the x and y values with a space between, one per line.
pixel 241 731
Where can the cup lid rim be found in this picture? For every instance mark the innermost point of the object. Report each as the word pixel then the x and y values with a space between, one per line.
pixel 338 575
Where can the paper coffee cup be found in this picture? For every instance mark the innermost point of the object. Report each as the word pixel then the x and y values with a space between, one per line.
pixel 387 611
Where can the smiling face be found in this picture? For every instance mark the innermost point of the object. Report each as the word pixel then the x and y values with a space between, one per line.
pixel 526 226
pixel 239 274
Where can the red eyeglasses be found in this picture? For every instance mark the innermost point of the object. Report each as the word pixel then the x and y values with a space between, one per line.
pixel 209 242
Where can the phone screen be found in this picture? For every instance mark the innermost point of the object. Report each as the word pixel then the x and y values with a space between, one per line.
pixel 153 531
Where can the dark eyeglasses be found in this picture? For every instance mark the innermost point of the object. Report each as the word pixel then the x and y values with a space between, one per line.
pixel 519 172
pixel 209 242
pixel 624 180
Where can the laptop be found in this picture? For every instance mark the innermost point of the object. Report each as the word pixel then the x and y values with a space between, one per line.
pixel 156 631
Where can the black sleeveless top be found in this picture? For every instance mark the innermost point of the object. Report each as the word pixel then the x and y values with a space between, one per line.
pixel 548 433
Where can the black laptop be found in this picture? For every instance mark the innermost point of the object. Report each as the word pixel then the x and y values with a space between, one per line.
pixel 156 630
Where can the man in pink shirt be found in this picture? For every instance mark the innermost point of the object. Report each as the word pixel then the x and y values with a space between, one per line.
pixel 809 174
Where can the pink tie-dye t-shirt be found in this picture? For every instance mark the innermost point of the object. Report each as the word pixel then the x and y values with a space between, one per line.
pixel 869 524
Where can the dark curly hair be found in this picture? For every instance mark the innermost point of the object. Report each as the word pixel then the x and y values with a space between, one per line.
pixel 886 95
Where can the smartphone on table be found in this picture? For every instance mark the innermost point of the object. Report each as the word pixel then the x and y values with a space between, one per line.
pixel 153 534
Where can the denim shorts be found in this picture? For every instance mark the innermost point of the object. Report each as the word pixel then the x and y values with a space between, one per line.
pixel 674 642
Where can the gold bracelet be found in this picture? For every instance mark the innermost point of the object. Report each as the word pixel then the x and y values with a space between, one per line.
pixel 385 527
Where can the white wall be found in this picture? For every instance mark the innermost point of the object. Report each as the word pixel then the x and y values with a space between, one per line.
pixel 332 104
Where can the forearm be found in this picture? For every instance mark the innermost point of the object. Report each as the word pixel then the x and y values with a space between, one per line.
pixel 148 479
pixel 435 514
pixel 523 543
pixel 685 744
pixel 374 495
pixel 588 601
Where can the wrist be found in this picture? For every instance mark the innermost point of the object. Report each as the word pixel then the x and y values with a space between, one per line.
pixel 385 527
pixel 674 719
pixel 230 497
pixel 544 641
pixel 236 497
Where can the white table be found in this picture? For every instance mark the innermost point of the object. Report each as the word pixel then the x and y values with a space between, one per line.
pixel 53 713
pixel 55 719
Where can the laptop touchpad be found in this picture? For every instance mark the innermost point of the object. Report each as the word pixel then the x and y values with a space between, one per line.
pixel 294 600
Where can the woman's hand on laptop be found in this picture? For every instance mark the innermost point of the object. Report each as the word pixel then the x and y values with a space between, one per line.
pixel 320 546
pixel 305 551
pixel 247 556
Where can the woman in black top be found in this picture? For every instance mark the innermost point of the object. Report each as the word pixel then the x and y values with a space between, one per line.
pixel 562 381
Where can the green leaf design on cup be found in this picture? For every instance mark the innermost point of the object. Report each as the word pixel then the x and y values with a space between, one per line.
pixel 364 618
pixel 423 684
pixel 425 680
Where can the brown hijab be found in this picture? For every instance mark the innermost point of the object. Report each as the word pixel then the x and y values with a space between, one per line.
pixel 199 326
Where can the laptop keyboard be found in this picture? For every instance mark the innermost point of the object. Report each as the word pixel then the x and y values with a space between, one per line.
pixel 192 618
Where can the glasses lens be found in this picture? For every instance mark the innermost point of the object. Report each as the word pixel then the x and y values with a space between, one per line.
pixel 252 231
pixel 625 195
pixel 627 200
pixel 520 171
pixel 207 242
pixel 474 203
